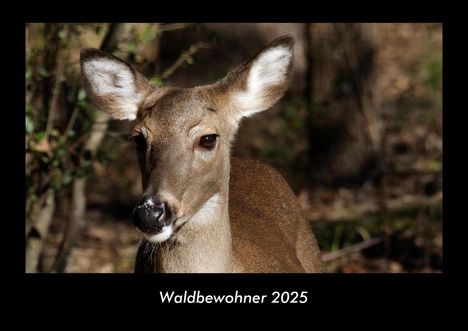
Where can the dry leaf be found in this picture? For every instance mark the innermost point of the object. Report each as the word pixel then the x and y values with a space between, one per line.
pixel 43 146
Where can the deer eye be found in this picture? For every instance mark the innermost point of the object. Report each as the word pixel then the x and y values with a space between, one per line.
pixel 208 141
pixel 140 142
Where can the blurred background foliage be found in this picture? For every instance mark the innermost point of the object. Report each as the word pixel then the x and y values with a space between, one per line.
pixel 358 136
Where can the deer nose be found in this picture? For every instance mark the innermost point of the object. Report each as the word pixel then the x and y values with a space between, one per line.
pixel 151 216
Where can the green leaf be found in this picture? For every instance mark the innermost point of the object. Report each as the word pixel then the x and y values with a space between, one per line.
pixel 131 47
pixel 39 136
pixel 43 72
pixel 81 99
pixel 434 165
pixel 188 59
pixel 102 29
pixel 32 194
pixel 103 161
pixel 56 182
pixel 79 173
pixel 54 133
pixel 59 152
pixel 363 232
pixel 157 81
pixel 67 179
pixel 61 141
pixel 29 125
pixel 62 34
pixel 33 197
pixel 81 95
pixel 148 34
pixel 28 77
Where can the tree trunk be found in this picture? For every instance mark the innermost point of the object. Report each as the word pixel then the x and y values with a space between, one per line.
pixel 345 129
pixel 77 217
pixel 38 232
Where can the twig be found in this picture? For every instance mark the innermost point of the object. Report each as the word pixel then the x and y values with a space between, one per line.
pixel 407 202
pixel 182 58
pixel 112 38
pixel 56 91
pixel 98 131
pixel 384 215
pixel 173 26
pixel 116 134
pixel 351 249
pixel 71 122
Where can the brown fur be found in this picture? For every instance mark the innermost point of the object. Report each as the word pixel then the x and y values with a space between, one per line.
pixel 272 237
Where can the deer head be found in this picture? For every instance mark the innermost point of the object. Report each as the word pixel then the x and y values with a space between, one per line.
pixel 183 135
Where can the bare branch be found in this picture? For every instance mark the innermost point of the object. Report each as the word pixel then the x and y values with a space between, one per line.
pixel 71 122
pixel 357 212
pixel 183 57
pixel 173 26
pixel 351 249
pixel 55 93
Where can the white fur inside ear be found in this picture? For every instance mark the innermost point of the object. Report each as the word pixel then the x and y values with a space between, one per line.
pixel 111 78
pixel 268 70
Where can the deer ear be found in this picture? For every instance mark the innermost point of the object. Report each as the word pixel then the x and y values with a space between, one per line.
pixel 259 83
pixel 112 84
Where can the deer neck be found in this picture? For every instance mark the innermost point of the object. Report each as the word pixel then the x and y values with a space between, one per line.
pixel 203 244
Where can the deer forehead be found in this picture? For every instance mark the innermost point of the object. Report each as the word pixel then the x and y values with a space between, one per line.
pixel 186 112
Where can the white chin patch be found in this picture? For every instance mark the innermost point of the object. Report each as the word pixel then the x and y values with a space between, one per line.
pixel 165 234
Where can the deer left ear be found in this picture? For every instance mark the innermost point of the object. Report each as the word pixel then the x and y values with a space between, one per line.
pixel 260 82
pixel 112 84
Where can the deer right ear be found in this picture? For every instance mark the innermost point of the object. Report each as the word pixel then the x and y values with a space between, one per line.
pixel 260 82
pixel 112 84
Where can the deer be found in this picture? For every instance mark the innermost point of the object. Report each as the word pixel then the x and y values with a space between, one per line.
pixel 201 210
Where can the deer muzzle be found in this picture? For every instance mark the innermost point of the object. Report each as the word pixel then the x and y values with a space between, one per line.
pixel 150 216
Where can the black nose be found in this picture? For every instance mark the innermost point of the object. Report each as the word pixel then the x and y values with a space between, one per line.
pixel 150 215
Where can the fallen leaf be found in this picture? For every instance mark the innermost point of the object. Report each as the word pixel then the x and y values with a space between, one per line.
pixel 43 146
